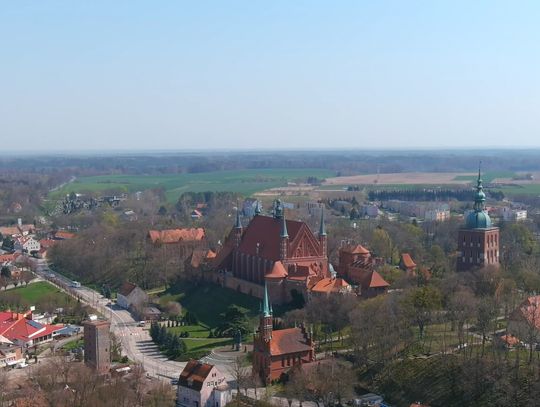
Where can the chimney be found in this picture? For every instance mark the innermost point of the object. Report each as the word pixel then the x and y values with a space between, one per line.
pixel 19 222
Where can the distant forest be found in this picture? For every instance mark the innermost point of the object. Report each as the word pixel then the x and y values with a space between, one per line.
pixel 342 162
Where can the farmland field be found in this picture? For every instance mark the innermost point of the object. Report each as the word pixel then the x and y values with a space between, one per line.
pixel 245 182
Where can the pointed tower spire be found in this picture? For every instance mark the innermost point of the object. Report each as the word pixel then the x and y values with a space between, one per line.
pixel 322 227
pixel 238 223
pixel 266 307
pixel 284 232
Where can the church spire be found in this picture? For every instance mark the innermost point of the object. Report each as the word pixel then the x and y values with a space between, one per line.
pixel 266 307
pixel 480 196
pixel 322 228
pixel 284 232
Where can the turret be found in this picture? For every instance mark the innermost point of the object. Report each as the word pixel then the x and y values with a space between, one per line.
pixel 266 319
pixel 258 208
pixel 322 235
pixel 238 229
pixel 284 239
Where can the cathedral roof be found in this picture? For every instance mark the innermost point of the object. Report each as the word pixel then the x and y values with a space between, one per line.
pixel 266 231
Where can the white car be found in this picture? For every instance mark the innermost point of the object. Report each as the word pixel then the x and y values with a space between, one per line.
pixel 22 365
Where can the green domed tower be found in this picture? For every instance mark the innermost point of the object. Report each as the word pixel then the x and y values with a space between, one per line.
pixel 478 241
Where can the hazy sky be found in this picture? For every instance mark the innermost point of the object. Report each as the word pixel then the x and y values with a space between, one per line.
pixel 268 74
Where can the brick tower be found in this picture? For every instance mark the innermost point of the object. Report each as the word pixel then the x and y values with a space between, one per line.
pixel 97 345
pixel 478 241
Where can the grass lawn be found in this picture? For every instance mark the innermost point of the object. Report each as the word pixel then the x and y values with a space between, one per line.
pixel 35 292
pixel 195 331
pixel 245 182
pixel 78 343
pixel 208 301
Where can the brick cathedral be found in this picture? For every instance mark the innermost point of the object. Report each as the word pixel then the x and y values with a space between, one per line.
pixel 478 240
pixel 281 253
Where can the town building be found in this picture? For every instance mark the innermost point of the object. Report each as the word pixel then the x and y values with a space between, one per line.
pixel 97 345
pixel 275 352
pixel 20 229
pixel 26 244
pixel 10 355
pixel 512 215
pixel 22 330
pixel 180 242
pixel 357 265
pixel 478 240
pixel 130 296
pixel 202 385
pixel 283 253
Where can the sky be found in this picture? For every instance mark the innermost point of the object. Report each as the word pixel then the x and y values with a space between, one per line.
pixel 177 75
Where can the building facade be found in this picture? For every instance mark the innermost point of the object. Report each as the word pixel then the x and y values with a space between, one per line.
pixel 202 385
pixel 478 241
pixel 97 345
pixel 131 296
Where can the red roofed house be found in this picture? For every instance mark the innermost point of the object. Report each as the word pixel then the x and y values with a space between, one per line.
pixel 20 329
pixel 202 385
pixel 407 264
pixel 358 266
pixel 283 253
pixel 275 352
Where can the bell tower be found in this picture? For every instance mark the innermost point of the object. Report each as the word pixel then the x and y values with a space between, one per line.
pixel 478 240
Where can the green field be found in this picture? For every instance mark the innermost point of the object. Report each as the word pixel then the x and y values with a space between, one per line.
pixel 486 177
pixel 36 292
pixel 244 182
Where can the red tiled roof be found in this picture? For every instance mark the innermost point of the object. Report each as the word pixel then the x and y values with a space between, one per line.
pixel 278 271
pixel 372 279
pixel 289 340
pixel 14 326
pixel 194 374
pixel 407 261
pixel 328 285
pixel 8 257
pixel 355 249
pixel 64 235
pixel 266 231
pixel 177 235
pixel 127 288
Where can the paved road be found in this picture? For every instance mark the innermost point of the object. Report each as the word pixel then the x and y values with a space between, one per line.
pixel 136 342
